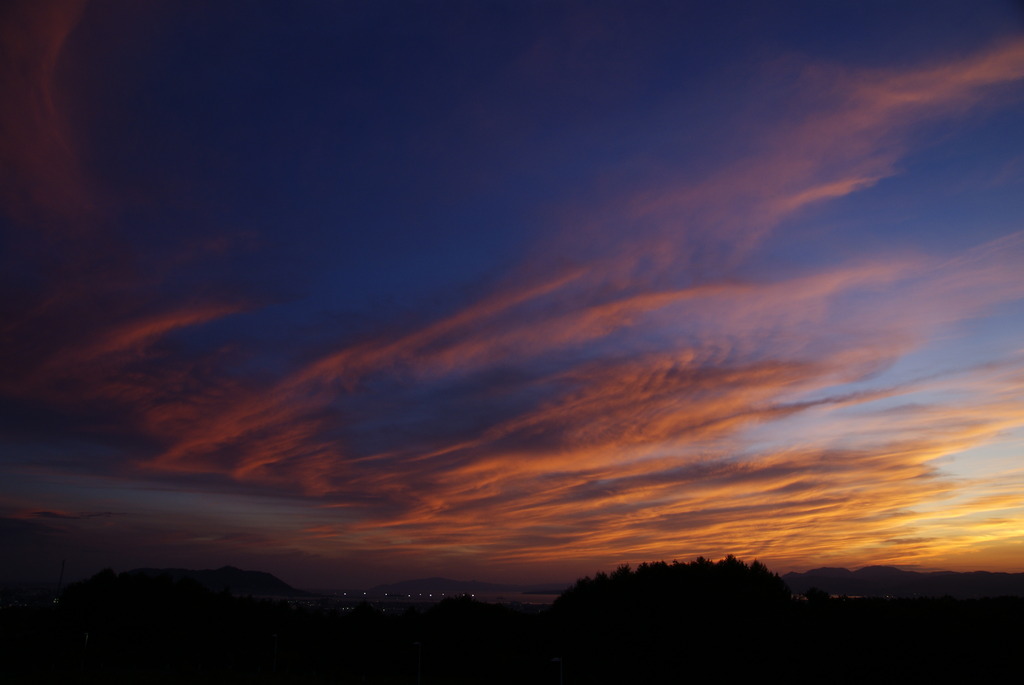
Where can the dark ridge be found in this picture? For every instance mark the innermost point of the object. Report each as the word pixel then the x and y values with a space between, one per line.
pixel 656 623
pixel 886 581
pixel 234 580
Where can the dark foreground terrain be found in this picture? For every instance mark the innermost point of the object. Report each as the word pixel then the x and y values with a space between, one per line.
pixel 659 623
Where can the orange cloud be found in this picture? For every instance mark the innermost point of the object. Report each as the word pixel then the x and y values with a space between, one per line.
pixel 626 458
pixel 623 410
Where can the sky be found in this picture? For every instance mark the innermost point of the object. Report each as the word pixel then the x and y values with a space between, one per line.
pixel 357 292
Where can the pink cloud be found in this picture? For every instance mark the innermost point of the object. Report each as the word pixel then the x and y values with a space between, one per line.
pixel 40 170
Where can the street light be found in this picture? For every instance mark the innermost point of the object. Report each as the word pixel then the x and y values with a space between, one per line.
pixel 419 661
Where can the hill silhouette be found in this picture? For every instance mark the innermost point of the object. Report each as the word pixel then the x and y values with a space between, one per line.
pixel 886 581
pixel 233 580
pixel 656 623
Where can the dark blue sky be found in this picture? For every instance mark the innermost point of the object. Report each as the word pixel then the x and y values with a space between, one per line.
pixel 513 290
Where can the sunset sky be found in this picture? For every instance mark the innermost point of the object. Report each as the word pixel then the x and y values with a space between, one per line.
pixel 355 292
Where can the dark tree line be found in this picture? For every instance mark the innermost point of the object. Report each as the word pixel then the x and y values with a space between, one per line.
pixel 669 620
pixel 658 623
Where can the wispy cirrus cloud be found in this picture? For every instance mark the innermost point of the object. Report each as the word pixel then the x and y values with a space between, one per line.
pixel 601 411
pixel 646 384
pixel 85 327
pixel 40 171
pixel 625 456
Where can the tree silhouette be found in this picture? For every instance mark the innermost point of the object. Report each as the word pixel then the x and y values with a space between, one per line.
pixel 655 623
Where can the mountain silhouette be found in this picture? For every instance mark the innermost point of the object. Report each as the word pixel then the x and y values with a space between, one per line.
pixel 887 581
pixel 644 625
pixel 234 580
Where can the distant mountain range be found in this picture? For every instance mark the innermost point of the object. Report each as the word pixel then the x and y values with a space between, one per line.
pixel 871 581
pixel 447 586
pixel 235 580
pixel 886 581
